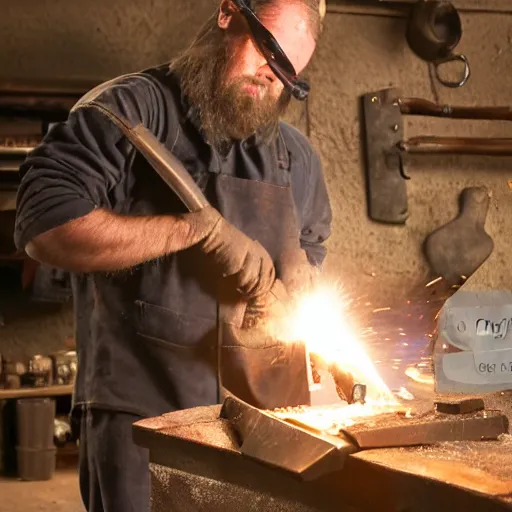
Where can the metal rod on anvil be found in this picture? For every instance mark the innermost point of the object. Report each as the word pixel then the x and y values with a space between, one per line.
pixel 456 146
pixel 421 107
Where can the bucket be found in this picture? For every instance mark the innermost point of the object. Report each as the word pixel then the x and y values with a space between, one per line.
pixel 35 450
pixel 36 464
pixel 35 420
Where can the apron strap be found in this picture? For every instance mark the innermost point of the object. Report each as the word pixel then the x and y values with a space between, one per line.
pixel 283 155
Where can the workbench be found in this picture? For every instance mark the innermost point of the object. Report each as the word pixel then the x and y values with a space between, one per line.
pixel 196 465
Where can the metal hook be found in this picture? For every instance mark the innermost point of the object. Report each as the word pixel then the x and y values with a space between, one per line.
pixel 453 58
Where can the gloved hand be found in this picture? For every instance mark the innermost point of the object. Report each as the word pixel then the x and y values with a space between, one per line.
pixel 297 276
pixel 236 254
pixel 271 304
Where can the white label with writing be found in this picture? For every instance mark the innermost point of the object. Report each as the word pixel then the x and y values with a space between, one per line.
pixel 486 367
pixel 495 364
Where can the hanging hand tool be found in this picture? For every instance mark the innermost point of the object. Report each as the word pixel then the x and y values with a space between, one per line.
pixel 455 251
pixel 386 147
pixel 348 389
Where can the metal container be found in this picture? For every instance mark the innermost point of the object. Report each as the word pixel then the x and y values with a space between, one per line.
pixel 35 450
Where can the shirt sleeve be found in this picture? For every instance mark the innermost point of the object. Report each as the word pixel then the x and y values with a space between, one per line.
pixel 80 161
pixel 316 215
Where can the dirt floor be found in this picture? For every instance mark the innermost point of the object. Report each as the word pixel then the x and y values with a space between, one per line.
pixel 60 494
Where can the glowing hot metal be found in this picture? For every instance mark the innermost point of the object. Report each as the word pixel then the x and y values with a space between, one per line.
pixel 320 318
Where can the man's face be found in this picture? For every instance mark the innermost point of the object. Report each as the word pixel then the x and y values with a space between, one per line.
pixel 247 77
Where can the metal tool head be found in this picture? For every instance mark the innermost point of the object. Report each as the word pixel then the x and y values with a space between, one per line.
pixel 281 444
pixel 386 183
pixel 358 394
pixel 347 388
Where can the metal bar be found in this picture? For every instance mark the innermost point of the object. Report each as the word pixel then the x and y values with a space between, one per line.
pixel 275 442
pixel 20 140
pixel 400 8
pixel 7 394
pixel 10 166
pixel 12 151
pixel 421 107
pixel 18 145
pixel 166 165
pixel 432 430
pixel 383 130
pixel 456 146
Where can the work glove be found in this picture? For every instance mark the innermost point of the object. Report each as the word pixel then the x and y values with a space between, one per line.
pixel 297 277
pixel 238 257
pixel 269 305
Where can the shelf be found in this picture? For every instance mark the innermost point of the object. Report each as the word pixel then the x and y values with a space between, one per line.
pixel 7 394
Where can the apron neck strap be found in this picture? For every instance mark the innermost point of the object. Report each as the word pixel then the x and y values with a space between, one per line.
pixel 283 155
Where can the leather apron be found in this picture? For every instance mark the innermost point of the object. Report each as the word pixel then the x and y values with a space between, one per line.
pixel 256 368
pixel 159 339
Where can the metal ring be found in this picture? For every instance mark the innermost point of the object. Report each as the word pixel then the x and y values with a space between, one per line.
pixel 453 58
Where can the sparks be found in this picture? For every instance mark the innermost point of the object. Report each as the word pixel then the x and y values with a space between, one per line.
pixel 380 310
pixel 414 374
pixel 435 281
pixel 320 319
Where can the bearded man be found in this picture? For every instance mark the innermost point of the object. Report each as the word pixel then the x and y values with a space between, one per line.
pixel 147 275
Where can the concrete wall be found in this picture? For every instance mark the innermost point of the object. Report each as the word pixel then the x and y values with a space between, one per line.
pixel 364 53
pixel 96 39
pixel 363 50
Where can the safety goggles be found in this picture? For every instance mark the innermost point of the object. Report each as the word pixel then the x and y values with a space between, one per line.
pixel 273 53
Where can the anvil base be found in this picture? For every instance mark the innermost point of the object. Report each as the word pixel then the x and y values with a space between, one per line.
pixel 196 465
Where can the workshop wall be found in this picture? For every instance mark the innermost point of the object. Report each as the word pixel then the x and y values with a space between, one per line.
pixel 364 53
pixel 53 38
pixel 362 50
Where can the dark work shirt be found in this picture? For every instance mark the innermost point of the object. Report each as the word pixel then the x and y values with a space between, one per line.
pixel 86 163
